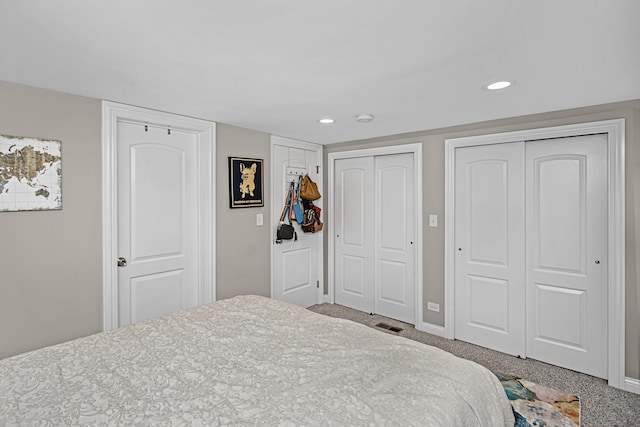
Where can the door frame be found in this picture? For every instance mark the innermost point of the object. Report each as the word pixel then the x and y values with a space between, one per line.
pixel 416 150
pixel 615 130
pixel 112 113
pixel 292 143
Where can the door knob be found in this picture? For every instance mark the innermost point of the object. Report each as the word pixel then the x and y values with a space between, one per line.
pixel 597 261
pixel 122 262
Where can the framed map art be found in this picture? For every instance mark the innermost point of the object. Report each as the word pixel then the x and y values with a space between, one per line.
pixel 30 174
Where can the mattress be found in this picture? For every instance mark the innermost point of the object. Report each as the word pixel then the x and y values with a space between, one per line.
pixel 248 361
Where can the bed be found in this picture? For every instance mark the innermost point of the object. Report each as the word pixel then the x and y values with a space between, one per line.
pixel 248 361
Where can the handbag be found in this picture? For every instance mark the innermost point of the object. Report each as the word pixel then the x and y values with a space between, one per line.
pixel 309 189
pixel 312 222
pixel 286 231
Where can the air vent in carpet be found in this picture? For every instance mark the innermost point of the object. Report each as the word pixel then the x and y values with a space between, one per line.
pixel 388 327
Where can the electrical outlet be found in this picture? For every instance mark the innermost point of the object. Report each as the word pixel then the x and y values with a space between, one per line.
pixel 432 306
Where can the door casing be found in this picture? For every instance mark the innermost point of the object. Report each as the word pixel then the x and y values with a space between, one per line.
pixel 615 130
pixel 206 131
pixel 416 150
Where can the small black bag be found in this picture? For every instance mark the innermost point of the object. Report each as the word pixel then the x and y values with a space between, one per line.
pixel 285 232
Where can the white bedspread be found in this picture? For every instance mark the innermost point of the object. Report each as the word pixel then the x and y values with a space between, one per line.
pixel 248 361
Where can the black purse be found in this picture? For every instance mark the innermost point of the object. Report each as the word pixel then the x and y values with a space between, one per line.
pixel 286 231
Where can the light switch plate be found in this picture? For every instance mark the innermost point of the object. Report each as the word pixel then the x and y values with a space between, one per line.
pixel 433 220
pixel 259 219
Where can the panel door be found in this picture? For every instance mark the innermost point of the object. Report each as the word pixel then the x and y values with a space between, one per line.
pixel 394 231
pixel 354 233
pixel 157 221
pixel 296 263
pixel 489 246
pixel 567 252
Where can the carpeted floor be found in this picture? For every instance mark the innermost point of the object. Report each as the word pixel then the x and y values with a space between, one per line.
pixel 601 405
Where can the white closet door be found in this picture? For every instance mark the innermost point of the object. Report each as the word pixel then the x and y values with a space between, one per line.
pixel 489 239
pixel 394 231
pixel 567 252
pixel 354 233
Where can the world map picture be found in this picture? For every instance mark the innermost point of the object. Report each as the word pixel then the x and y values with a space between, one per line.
pixel 30 174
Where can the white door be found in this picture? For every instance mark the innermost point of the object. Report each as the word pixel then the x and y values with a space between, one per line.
pixel 394 235
pixel 296 264
pixel 157 221
pixel 567 252
pixel 374 251
pixel 489 246
pixel 531 249
pixel 354 233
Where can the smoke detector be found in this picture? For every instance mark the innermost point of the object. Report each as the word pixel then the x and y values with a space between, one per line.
pixel 364 118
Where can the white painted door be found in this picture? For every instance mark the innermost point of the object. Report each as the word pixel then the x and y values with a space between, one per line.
pixel 296 264
pixel 531 275
pixel 354 242
pixel 157 221
pixel 394 235
pixel 489 246
pixel 567 252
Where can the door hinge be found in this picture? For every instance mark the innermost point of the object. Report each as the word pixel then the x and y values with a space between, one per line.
pixel 317 169
pixel 318 284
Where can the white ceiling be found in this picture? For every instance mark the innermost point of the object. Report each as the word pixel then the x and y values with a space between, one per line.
pixel 278 66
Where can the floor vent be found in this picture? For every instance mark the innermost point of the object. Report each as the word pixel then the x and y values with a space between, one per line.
pixel 388 327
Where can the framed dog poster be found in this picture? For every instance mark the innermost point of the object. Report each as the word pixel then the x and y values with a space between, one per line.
pixel 245 182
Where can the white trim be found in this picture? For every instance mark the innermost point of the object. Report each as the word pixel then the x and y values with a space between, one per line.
pixel 432 329
pixel 206 134
pixel 286 142
pixel 632 385
pixel 615 130
pixel 416 150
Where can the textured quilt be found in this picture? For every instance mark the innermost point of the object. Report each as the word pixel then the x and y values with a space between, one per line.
pixel 248 361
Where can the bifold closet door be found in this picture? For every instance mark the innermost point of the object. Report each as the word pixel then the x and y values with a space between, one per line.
pixel 567 271
pixel 489 247
pixel 354 233
pixel 374 240
pixel 394 231
pixel 531 274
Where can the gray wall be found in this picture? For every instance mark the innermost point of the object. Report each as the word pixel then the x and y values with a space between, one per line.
pixel 50 261
pixel 243 259
pixel 433 200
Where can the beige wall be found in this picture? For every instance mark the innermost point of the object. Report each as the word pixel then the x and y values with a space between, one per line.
pixel 243 260
pixel 50 261
pixel 433 200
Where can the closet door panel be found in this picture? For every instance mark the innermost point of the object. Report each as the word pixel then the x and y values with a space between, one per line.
pixel 567 252
pixel 489 239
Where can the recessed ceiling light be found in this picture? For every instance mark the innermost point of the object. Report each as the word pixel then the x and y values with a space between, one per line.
pixel 364 118
pixel 326 120
pixel 501 84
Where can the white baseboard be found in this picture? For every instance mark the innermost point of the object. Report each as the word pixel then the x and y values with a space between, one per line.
pixel 432 329
pixel 632 385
